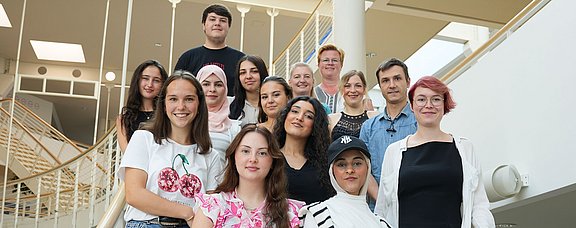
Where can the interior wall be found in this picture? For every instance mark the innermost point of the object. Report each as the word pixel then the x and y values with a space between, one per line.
pixel 517 103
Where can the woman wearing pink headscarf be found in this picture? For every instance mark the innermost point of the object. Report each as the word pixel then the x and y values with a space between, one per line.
pixel 222 129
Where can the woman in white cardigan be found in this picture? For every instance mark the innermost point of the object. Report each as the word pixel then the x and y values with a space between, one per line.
pixel 431 178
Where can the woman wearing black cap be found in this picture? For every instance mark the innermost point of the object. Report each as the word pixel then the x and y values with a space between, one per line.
pixel 349 169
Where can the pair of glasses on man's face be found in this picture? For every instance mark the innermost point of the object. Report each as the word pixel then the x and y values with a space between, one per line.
pixel 330 61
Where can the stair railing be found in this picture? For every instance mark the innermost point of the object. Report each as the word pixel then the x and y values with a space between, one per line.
pixel 316 31
pixel 85 182
pixel 503 33
pixel 59 144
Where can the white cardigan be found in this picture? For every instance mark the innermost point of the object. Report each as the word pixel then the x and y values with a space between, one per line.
pixel 475 207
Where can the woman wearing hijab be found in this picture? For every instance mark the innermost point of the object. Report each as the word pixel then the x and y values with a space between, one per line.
pixel 349 170
pixel 222 129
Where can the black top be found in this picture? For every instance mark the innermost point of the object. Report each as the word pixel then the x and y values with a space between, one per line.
pixel 304 184
pixel 140 119
pixel 349 125
pixel 430 186
pixel 226 58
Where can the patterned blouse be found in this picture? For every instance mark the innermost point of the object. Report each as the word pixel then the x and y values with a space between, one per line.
pixel 225 209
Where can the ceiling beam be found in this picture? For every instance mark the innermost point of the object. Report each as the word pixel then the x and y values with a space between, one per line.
pixel 385 5
pixel 299 6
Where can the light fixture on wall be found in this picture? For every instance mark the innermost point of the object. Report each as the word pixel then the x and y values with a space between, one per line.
pixel 42 70
pixel 110 76
pixel 76 73
pixel 504 182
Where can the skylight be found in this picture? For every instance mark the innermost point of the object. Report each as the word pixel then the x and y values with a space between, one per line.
pixel 55 51
pixel 4 21
pixel 434 55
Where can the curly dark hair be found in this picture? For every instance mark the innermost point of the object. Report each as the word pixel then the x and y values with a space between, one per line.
pixel 160 125
pixel 130 111
pixel 237 105
pixel 276 207
pixel 317 144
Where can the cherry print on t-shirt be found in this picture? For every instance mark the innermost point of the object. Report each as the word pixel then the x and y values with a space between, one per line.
pixel 189 184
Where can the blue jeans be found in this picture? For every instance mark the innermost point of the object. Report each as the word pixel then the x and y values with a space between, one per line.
pixel 147 224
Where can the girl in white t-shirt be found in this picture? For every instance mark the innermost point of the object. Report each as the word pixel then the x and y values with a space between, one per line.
pixel 171 160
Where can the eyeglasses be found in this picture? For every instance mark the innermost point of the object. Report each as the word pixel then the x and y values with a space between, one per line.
pixel 169 181
pixel 330 61
pixel 421 101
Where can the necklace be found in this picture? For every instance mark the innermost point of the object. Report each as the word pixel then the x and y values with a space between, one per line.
pixel 250 209
pixel 147 114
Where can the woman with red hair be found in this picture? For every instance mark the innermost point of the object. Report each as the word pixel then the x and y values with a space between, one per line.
pixel 432 178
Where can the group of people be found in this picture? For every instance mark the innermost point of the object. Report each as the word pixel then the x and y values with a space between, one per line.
pixel 286 153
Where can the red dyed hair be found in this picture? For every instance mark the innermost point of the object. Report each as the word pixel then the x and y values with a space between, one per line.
pixel 437 86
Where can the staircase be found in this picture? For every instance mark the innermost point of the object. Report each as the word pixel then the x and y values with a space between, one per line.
pixel 316 31
pixel 54 178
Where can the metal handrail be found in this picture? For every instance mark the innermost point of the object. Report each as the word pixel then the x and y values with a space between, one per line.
pixel 53 130
pixel 56 197
pixel 297 35
pixel 512 25
pixel 100 142
pixel 18 123
pixel 316 30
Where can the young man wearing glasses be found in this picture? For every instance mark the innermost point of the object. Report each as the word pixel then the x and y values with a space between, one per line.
pixel 395 123
pixel 330 62
pixel 216 21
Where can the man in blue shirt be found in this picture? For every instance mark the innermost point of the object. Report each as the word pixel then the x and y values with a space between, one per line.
pixel 396 122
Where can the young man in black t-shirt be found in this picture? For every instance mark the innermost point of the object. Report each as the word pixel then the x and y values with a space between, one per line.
pixel 216 21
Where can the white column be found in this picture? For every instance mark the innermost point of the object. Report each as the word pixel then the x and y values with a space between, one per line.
pixel 272 13
pixel 174 3
pixel 243 9
pixel 349 33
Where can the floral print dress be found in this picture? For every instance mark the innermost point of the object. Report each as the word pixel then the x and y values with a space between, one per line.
pixel 225 209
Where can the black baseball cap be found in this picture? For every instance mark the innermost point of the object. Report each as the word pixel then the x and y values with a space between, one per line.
pixel 344 143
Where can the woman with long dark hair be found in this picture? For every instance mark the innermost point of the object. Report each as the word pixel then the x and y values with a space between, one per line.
pixel 251 73
pixel 302 134
pixel 144 89
pixel 170 161
pixel 253 192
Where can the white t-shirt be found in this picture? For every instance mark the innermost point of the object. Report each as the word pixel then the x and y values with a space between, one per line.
pixel 221 140
pixel 250 114
pixel 145 154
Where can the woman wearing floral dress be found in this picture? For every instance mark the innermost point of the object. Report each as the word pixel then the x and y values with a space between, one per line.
pixel 253 193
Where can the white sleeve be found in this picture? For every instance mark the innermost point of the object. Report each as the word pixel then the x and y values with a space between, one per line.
pixel 380 201
pixel 481 215
pixel 215 170
pixel 137 152
pixel 309 221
